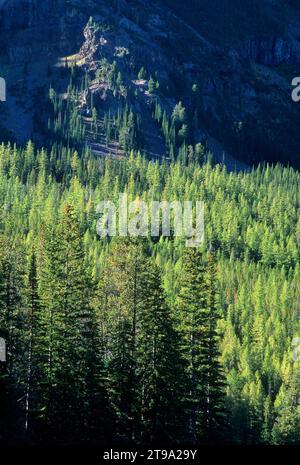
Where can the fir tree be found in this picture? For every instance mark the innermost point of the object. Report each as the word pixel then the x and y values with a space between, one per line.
pixel 286 429
pixel 197 322
pixel 32 319
pixel 119 310
pixel 159 368
pixel 70 330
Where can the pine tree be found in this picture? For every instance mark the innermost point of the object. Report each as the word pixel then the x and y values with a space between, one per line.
pixel 120 289
pixel 13 370
pixel 212 373
pixel 197 320
pixel 142 73
pixel 32 319
pixel 159 369
pixel 286 429
pixel 70 331
pixel 151 86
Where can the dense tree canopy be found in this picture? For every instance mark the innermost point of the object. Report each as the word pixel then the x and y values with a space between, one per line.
pixel 135 337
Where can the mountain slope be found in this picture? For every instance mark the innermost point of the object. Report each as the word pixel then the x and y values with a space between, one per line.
pixel 231 65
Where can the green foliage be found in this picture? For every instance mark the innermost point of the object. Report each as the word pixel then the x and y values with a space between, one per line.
pixel 82 315
pixel 197 323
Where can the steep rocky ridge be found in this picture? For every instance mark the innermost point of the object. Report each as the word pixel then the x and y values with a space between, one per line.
pixel 242 59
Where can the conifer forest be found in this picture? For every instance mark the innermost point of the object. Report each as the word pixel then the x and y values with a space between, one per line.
pixel 143 340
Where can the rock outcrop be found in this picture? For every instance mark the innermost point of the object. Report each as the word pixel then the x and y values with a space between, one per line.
pixel 239 81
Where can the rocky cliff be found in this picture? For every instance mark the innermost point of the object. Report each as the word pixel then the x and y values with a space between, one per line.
pixel 242 74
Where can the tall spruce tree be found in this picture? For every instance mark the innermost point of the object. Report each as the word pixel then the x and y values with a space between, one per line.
pixel 12 330
pixel 71 363
pixel 119 297
pixel 33 308
pixel 159 367
pixel 198 314
pixel 212 375
pixel 286 429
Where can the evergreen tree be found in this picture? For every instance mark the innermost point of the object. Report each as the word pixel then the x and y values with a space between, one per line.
pixel 121 293
pixel 197 322
pixel 286 429
pixel 151 85
pixel 69 331
pixel 159 368
pixel 12 330
pixel 32 319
